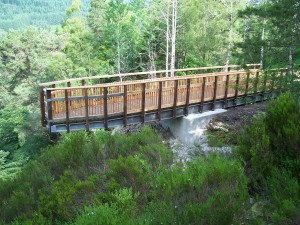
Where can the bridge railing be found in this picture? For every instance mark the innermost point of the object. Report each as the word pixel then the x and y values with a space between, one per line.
pixel 137 97
pixel 100 79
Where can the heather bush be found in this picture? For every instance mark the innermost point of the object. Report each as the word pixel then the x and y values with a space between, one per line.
pixel 272 140
pixel 82 169
pixel 207 191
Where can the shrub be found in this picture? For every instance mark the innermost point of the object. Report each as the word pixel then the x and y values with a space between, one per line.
pixel 280 202
pixel 207 191
pixel 132 172
pixel 272 140
pixel 77 171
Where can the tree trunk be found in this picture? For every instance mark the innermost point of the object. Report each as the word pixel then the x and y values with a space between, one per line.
pixel 262 47
pixel 228 52
pixel 291 60
pixel 167 38
pixel 118 48
pixel 174 30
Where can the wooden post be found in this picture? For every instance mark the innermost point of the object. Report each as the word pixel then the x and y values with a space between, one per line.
pixel 272 83
pixel 159 100
pixel 143 102
pixel 255 86
pixel 86 99
pixel 187 101
pixel 203 94
pixel 49 106
pixel 125 105
pixel 53 105
pixel 226 91
pixel 67 111
pixel 247 84
pixel 82 82
pixel 42 105
pixel 286 86
pixel 69 85
pixel 280 82
pixel 105 110
pixel 175 98
pixel 215 93
pixel 236 88
pixel 265 85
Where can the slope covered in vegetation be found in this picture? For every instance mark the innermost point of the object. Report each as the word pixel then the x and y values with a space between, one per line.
pixel 101 178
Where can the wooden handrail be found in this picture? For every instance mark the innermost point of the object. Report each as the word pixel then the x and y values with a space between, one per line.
pixel 139 73
pixel 117 84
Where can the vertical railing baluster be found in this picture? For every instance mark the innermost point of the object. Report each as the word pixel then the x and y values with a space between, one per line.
pixel 175 98
pixel 105 110
pixel 203 94
pixel 83 94
pixel 67 111
pixel 86 100
pixel 159 101
pixel 215 93
pixel 125 105
pixel 49 107
pixel 187 101
pixel 226 91
pixel 143 102
pixel 237 82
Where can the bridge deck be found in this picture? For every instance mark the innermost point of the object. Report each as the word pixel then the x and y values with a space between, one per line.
pixel 128 101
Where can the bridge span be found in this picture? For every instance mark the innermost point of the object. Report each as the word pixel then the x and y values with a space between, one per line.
pixel 114 100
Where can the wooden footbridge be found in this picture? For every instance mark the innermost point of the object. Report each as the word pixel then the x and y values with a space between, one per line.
pixel 112 100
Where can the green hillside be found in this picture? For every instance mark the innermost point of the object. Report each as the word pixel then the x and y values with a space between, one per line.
pixel 16 14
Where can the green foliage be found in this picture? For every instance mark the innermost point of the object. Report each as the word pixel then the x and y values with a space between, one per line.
pixel 282 122
pixel 272 140
pixel 80 171
pixel 215 183
pixel 220 138
pixel 283 192
pixel 207 191
pixel 66 195
pixel 270 30
pixel 11 119
pixel 280 203
pixel 104 214
pixel 16 14
pixel 132 172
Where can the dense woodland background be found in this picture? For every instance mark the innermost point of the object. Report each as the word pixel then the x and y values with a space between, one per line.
pixel 99 177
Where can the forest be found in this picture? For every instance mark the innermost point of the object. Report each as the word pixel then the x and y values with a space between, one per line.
pixel 19 14
pixel 105 178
